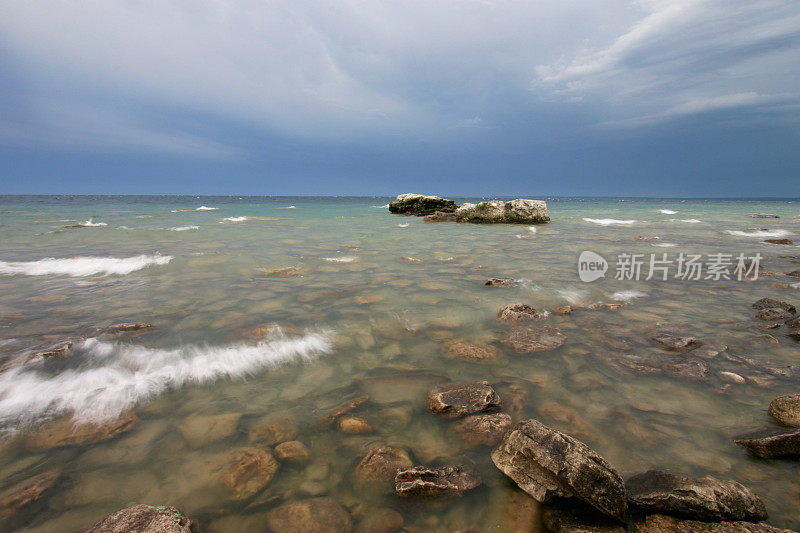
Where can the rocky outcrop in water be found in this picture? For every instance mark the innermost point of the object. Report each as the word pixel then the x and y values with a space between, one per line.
pixel 517 312
pixel 768 444
pixel 454 400
pixel 519 211
pixel 486 430
pixel 496 282
pixel 440 216
pixel 769 303
pixel 534 338
pixel 314 514
pixel 667 524
pixel 674 342
pixel 419 204
pixel 707 498
pixel 422 481
pixel 146 519
pixel 786 410
pixel 469 351
pixel 549 464
pixel 381 464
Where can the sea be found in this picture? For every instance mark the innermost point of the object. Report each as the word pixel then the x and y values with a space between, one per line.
pixel 286 308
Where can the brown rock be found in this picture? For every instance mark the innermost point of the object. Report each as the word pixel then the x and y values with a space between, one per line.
pixel 559 520
pixel 674 342
pixel 486 430
pixel 517 312
pixel 794 273
pixel 288 272
pixel 515 402
pixel 563 310
pixel 658 523
pixel 766 303
pixel 546 464
pixel 469 351
pixel 64 432
pixel 277 429
pixel 768 445
pixel 774 313
pixel 440 216
pixel 126 327
pixel 292 451
pixel 786 410
pixel 568 419
pixel 247 472
pixel 531 339
pixel 354 425
pixel 496 282
pixel 202 430
pixel 706 498
pixel 422 481
pixel 693 369
pixel 59 351
pixel 29 491
pixel 779 241
pixel 381 464
pixel 408 259
pixel 342 409
pixel 311 515
pixel 462 398
pixel 381 520
pixel 146 519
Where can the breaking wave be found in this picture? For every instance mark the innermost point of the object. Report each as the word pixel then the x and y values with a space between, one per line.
pixel 184 228
pixel 234 219
pixel 114 377
pixel 340 259
pixel 760 233
pixel 609 221
pixel 667 211
pixel 627 296
pixel 82 266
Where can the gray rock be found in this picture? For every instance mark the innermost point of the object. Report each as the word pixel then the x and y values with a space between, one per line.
pixel 674 342
pixel 422 481
pixel 547 464
pixel 786 409
pixel 519 211
pixel 705 498
pixel 772 445
pixel 419 204
pixel 462 398
pixel 766 303
pixel 146 519
pixel 534 338
pixel 666 524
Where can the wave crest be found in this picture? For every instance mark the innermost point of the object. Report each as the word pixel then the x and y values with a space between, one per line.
pixel 82 266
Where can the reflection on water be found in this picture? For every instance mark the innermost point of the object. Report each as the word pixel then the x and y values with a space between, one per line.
pixel 267 319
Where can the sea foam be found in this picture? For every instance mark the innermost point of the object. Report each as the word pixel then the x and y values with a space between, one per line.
pixel 761 233
pixel 667 211
pixel 340 259
pixel 627 296
pixel 114 377
pixel 91 224
pixel 82 266
pixel 234 219
pixel 608 221
pixel 184 228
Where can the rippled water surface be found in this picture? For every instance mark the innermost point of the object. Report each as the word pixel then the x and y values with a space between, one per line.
pixel 357 319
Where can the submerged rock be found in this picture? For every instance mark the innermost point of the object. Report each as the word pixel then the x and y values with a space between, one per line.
pixel 786 409
pixel 354 425
pixel 440 216
pixel 563 310
pixel 381 464
pixel 313 514
pixel 658 523
pixel 292 451
pixel 419 204
pixel 462 398
pixel 274 430
pixel 126 327
pixel 342 409
pixel 694 369
pixel 705 498
pixel 773 313
pixel 64 432
pixel 559 520
pixel 422 481
pixel 674 342
pixel 469 351
pixel 381 520
pixel 146 519
pixel 247 472
pixel 772 445
pixel 486 430
pixel 29 491
pixel 495 282
pixel 530 338
pixel 519 211
pixel 547 464
pixel 202 430
pixel 518 312
pixel 767 303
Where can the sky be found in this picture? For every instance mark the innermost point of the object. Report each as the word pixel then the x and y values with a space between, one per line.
pixel 677 98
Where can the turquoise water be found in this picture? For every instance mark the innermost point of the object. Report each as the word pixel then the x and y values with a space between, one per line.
pixel 359 319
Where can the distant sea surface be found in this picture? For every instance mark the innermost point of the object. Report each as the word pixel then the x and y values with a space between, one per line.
pixel 267 308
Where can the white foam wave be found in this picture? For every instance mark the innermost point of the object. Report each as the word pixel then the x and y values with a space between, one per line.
pixel 532 229
pixel 91 224
pixel 402 225
pixel 83 266
pixel 234 219
pixel 691 221
pixel 627 296
pixel 348 259
pixel 573 296
pixel 206 208
pixel 667 211
pixel 115 377
pixel 381 206
pixel 665 244
pixel 608 221
pixel 184 228
pixel 760 233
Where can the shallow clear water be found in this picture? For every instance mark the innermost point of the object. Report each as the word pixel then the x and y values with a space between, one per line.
pixel 358 319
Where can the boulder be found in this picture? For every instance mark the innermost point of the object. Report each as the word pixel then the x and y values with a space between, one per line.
pixel 547 464
pixel 707 498
pixel 658 523
pixel 563 310
pixel 786 410
pixel 530 338
pixel 462 398
pixel 779 241
pixel 518 312
pixel 419 204
pixel 422 481
pixel 486 430
pixel 313 514
pixel 772 445
pixel 558 520
pixel 767 303
pixel 354 425
pixel 146 519
pixel 496 282
pixel 773 313
pixel 381 464
pixel 29 491
pixel 440 216
pixel 674 342
pixel 519 211
pixel 381 520
pixel 292 451
pixel 469 351
pixel 273 430
pixel 64 432
pixel 247 471
pixel 343 409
